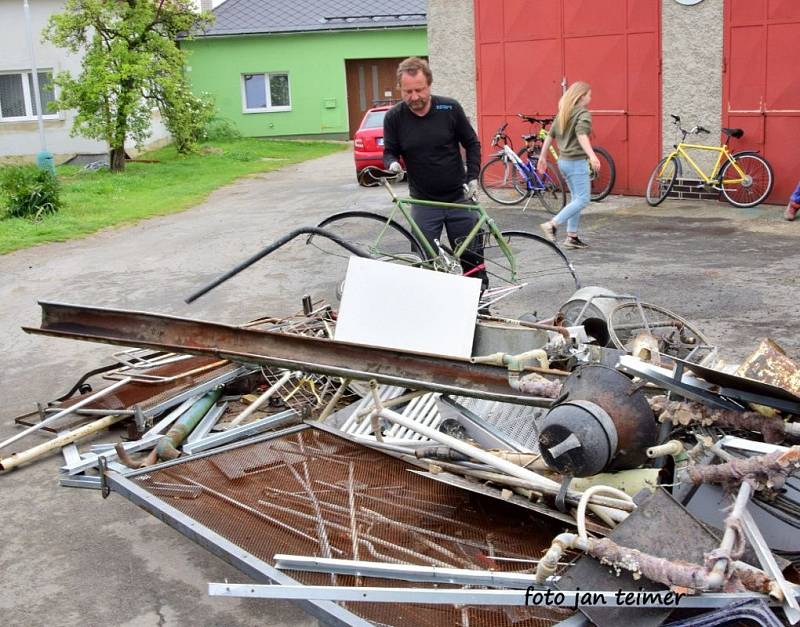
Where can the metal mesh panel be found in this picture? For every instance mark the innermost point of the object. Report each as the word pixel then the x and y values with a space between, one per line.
pixel 517 422
pixel 311 493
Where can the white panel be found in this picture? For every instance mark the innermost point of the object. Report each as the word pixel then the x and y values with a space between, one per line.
pixel 395 306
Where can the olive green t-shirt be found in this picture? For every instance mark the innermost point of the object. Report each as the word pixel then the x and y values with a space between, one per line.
pixel 580 123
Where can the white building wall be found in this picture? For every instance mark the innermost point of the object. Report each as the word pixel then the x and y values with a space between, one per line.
pixel 21 138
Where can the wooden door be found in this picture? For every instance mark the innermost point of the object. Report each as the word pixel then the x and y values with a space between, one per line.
pixel 370 82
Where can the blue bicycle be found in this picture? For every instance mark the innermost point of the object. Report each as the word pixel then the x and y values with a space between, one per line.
pixel 508 178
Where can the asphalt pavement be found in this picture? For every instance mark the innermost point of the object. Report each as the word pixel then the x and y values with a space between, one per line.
pixel 71 558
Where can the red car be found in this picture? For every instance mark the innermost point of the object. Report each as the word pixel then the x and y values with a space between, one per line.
pixel 368 140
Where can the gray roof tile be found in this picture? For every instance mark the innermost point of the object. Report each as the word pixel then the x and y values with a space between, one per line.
pixel 240 17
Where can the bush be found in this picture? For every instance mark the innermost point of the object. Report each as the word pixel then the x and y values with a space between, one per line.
pixel 29 191
pixel 221 129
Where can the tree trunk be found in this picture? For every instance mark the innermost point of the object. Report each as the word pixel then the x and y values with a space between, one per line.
pixel 117 159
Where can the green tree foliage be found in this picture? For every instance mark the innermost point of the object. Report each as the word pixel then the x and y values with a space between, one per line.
pixel 131 65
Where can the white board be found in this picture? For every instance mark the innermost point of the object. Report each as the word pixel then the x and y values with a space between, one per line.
pixel 396 306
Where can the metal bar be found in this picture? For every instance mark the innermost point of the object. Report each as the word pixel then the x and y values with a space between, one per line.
pixel 206 424
pixel 770 566
pixel 328 613
pixel 51 419
pixel 79 481
pixel 405 572
pixel 202 388
pixel 467 597
pixel 296 352
pixel 237 433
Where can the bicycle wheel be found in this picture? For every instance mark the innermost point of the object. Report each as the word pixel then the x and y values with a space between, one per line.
pixel 553 197
pixel 603 181
pixel 500 180
pixel 661 180
pixel 545 278
pixel 371 232
pixel 676 337
pixel 756 185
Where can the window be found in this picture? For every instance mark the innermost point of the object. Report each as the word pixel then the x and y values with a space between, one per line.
pixel 266 92
pixel 17 99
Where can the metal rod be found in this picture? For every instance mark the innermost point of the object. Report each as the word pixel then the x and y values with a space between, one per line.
pixel 552 598
pixel 405 572
pixel 66 412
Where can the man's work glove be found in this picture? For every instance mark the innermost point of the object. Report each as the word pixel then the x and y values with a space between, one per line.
pixel 395 167
pixel 472 188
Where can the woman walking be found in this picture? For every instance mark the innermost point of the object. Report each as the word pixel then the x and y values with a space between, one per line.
pixel 571 130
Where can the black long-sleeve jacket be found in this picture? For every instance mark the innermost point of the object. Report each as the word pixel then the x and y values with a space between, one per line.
pixel 430 147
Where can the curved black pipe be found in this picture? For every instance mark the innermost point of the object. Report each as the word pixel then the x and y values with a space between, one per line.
pixel 306 230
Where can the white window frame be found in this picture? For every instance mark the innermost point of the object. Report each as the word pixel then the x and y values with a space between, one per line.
pixel 28 96
pixel 269 108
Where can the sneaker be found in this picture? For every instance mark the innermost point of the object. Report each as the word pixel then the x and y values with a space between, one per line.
pixel 791 211
pixel 575 242
pixel 549 230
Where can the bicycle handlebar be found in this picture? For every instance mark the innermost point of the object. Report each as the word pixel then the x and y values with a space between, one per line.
pixel 500 135
pixel 676 120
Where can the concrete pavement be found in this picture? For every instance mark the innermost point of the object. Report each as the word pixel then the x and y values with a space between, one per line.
pixel 70 558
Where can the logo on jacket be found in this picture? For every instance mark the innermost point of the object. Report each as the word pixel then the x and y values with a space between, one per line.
pixel 443 107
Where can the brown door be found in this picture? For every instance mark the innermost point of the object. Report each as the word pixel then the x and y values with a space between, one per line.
pixel 370 82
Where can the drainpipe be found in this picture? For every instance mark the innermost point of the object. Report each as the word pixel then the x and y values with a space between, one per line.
pixel 44 159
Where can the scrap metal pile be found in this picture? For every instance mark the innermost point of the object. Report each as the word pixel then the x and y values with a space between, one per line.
pixel 605 463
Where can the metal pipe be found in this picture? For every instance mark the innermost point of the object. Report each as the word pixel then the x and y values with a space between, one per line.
pixel 165 449
pixel 472 451
pixel 252 407
pixel 62 440
pixel 66 412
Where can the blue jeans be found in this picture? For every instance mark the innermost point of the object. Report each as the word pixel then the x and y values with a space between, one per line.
pixel 576 173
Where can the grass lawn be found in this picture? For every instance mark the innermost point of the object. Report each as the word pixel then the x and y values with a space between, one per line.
pixel 96 200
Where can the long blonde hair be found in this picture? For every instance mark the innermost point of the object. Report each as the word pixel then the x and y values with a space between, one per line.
pixel 568 102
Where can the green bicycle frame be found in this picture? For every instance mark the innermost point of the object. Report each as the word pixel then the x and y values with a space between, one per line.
pixel 403 205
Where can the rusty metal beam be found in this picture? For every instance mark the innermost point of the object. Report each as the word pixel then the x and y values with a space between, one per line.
pixel 323 356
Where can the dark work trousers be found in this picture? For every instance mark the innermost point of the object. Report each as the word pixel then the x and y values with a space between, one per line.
pixel 458 223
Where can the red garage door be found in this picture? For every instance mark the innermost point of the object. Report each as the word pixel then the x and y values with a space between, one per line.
pixel 761 91
pixel 527 49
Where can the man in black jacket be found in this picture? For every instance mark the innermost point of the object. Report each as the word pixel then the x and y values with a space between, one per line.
pixel 428 132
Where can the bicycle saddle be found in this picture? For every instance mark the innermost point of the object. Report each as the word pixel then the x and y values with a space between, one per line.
pixel 533 120
pixel 371 176
pixel 528 138
pixel 733 132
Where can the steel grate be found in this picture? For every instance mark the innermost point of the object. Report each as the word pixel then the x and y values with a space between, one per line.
pixel 312 493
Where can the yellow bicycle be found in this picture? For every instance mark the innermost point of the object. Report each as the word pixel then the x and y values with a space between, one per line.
pixel 743 178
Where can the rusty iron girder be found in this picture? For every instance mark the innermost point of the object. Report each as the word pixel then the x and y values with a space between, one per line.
pixel 323 356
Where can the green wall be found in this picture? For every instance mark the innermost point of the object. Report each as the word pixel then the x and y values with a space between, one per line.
pixel 316 66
